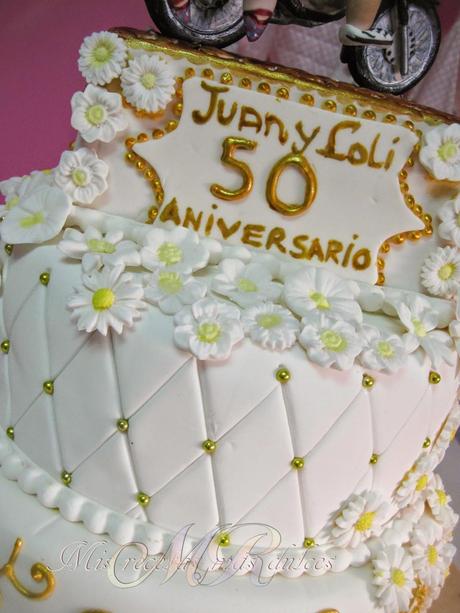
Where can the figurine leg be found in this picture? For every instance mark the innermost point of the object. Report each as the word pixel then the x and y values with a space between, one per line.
pixel 257 13
pixel 357 31
pixel 181 8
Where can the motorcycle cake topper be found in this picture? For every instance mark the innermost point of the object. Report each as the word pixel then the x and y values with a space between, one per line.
pixel 389 46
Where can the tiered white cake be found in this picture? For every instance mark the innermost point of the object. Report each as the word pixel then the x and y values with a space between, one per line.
pixel 229 335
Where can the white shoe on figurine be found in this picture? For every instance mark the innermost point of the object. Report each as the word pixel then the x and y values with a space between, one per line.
pixel 352 36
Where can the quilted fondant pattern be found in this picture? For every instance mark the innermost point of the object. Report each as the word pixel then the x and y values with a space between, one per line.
pixel 174 403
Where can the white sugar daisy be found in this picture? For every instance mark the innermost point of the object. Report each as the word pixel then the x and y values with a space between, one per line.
pixel 208 329
pixel 420 321
pixel 330 343
pixel 441 153
pixel 393 578
pixel 171 290
pixel 82 175
pixel 102 57
pixel 441 272
pixel 425 548
pixel 437 498
pixel 415 482
pixel 360 518
pixel 449 214
pixel 315 291
pixel 37 218
pixel 107 299
pixel 381 351
pixel 96 249
pixel 177 250
pixel 16 188
pixel 245 284
pixel 98 114
pixel 271 326
pixel 447 434
pixel 148 83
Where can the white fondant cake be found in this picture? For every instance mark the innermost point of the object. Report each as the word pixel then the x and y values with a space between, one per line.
pixel 229 327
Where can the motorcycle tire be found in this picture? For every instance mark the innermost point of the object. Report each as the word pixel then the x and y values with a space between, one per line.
pixel 219 27
pixel 373 67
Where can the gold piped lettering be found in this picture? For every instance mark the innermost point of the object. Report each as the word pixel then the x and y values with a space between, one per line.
pixel 202 118
pixel 171 213
pixel 229 146
pixel 273 120
pixel 301 164
pixel 252 235
pixel 191 220
pixel 276 237
pixel 227 231
pixel 306 139
pixel 245 119
pixel 330 150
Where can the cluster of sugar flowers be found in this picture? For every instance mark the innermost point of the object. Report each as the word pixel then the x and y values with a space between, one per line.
pixel 146 81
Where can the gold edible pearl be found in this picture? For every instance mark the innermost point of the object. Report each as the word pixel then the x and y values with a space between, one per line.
pixel 434 377
pixel 5 346
pixel 209 446
pixel 350 109
pixel 143 499
pixel 8 249
pixel 66 477
pixel 308 542
pixel 283 92
pixel 369 114
pixel 427 443
pixel 223 539
pixel 307 99
pixel 153 213
pixel 283 375
pixel 226 78
pixel 298 463
pixel 48 387
pixel 330 105
pixel 207 73
pixel 368 381
pixel 264 88
pixel 10 433
pixel 123 425
pixel 374 459
pixel 246 83
pixel 44 278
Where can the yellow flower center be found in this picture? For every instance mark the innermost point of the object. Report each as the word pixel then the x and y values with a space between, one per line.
pixel 333 341
pixel 365 522
pixel 169 254
pixel 419 328
pixel 170 282
pixel 209 332
pixel 32 220
pixel 102 53
pixel 432 555
pixel 422 482
pixel 385 349
pixel 246 285
pixel 446 271
pixel 442 497
pixel 95 114
pixel 448 151
pixel 398 577
pixel 103 299
pixel 79 177
pixel 269 320
pixel 12 202
pixel 320 300
pixel 148 80
pixel 98 246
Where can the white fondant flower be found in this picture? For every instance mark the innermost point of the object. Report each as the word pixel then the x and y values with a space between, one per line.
pixel 361 517
pixel 441 153
pixel 449 214
pixel 330 343
pixel 16 188
pixel 82 175
pixel 420 320
pixel 178 250
pixel 316 291
pixel 96 249
pixel 382 351
pixel 102 57
pixel 437 498
pixel 107 299
pixel 271 326
pixel 425 549
pixel 37 218
pixel 208 329
pixel 171 290
pixel 447 434
pixel 148 83
pixel 393 578
pixel 98 114
pixel 441 272
pixel 245 284
pixel 415 482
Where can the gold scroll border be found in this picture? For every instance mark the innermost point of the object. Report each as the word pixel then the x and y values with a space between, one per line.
pixel 222 60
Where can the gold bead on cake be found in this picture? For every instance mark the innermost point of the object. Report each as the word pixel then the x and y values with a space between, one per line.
pixel 66 478
pixel 427 443
pixel 143 499
pixel 8 249
pixel 44 278
pixel 123 425
pixel 48 387
pixel 434 377
pixel 209 446
pixel 5 346
pixel 309 542
pixel 298 463
pixel 283 375
pixel 10 433
pixel 368 381
pixel 374 459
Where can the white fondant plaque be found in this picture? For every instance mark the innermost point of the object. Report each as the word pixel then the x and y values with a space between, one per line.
pixel 252 169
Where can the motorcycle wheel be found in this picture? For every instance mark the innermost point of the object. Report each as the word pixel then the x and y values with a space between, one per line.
pixel 376 68
pixel 218 27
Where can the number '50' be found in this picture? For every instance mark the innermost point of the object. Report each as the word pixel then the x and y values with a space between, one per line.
pixel 295 160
